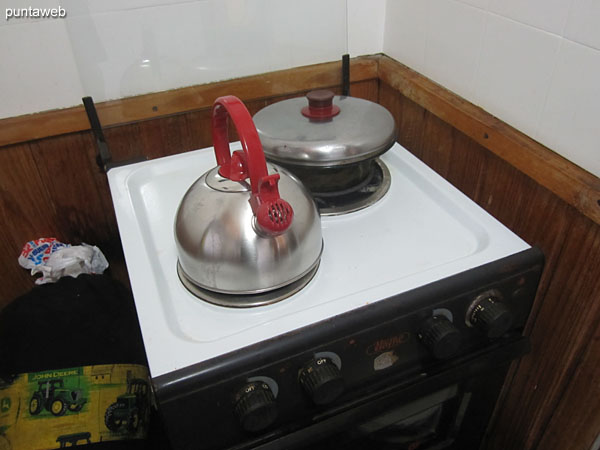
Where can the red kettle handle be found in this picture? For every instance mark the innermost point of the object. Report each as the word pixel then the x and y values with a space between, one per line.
pixel 249 163
pixel 273 214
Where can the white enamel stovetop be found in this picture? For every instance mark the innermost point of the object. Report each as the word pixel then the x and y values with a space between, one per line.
pixel 423 230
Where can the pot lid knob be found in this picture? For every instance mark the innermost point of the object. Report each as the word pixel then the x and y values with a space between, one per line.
pixel 273 214
pixel 320 105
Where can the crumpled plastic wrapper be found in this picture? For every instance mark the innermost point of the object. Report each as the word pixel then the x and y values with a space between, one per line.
pixel 55 260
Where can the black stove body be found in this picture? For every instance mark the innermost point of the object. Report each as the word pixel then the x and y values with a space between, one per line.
pixel 419 370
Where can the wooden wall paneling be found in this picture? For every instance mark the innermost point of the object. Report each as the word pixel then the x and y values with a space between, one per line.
pixel 437 144
pixel 448 151
pixel 166 136
pixel 410 118
pixel 544 220
pixel 151 138
pixel 198 125
pixel 564 326
pixel 541 219
pixel 466 168
pixel 80 193
pixel 125 142
pixel 504 191
pixel 531 211
pixel 27 211
pixel 156 138
pixel 112 248
pixel 68 169
pixel 368 90
pixel 575 422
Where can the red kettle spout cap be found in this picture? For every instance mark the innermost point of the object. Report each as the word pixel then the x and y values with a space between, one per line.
pixel 273 214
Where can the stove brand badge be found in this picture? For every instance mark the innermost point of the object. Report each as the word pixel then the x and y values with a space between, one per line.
pixel 385 360
pixel 386 344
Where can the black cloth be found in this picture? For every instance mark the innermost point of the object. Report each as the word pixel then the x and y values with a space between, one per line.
pixel 88 320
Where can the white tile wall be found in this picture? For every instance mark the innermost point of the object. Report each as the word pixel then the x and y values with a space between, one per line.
pixel 571 116
pixel 406 31
pixel 453 45
pixel 37 69
pixel 197 42
pixel 583 25
pixel 548 15
pixel 513 79
pixel 112 49
pixel 538 67
pixel 366 21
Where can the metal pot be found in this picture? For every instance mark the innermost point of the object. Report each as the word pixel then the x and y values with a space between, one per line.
pixel 234 231
pixel 329 142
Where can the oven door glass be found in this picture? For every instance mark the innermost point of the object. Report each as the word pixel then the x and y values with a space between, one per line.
pixel 428 423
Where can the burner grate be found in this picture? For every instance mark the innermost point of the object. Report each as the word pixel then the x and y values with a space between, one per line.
pixel 355 198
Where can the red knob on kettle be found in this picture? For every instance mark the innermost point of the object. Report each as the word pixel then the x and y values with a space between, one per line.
pixel 273 214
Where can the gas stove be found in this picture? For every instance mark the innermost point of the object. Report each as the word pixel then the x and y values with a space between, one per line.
pixel 389 273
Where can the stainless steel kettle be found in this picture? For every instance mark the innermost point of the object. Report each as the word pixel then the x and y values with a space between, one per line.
pixel 245 227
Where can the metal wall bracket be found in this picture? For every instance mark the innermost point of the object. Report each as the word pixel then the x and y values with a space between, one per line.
pixel 346 74
pixel 103 157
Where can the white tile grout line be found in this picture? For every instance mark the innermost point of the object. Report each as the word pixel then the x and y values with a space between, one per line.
pixel 427 28
pixel 536 130
pixel 541 30
pixel 475 93
pixel 570 10
pixel 347 30
pixel 462 2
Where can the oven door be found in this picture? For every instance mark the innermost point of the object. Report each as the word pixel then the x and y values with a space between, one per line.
pixel 448 409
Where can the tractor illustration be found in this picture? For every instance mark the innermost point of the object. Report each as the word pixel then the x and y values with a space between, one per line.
pixel 130 409
pixel 73 439
pixel 53 396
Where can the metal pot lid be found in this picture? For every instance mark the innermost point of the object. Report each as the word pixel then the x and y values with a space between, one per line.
pixel 324 131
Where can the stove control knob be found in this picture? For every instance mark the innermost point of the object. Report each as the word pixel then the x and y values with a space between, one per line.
pixel 441 337
pixel 321 380
pixel 255 406
pixel 490 316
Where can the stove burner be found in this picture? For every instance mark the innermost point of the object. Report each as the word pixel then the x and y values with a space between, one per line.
pixel 246 300
pixel 357 197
